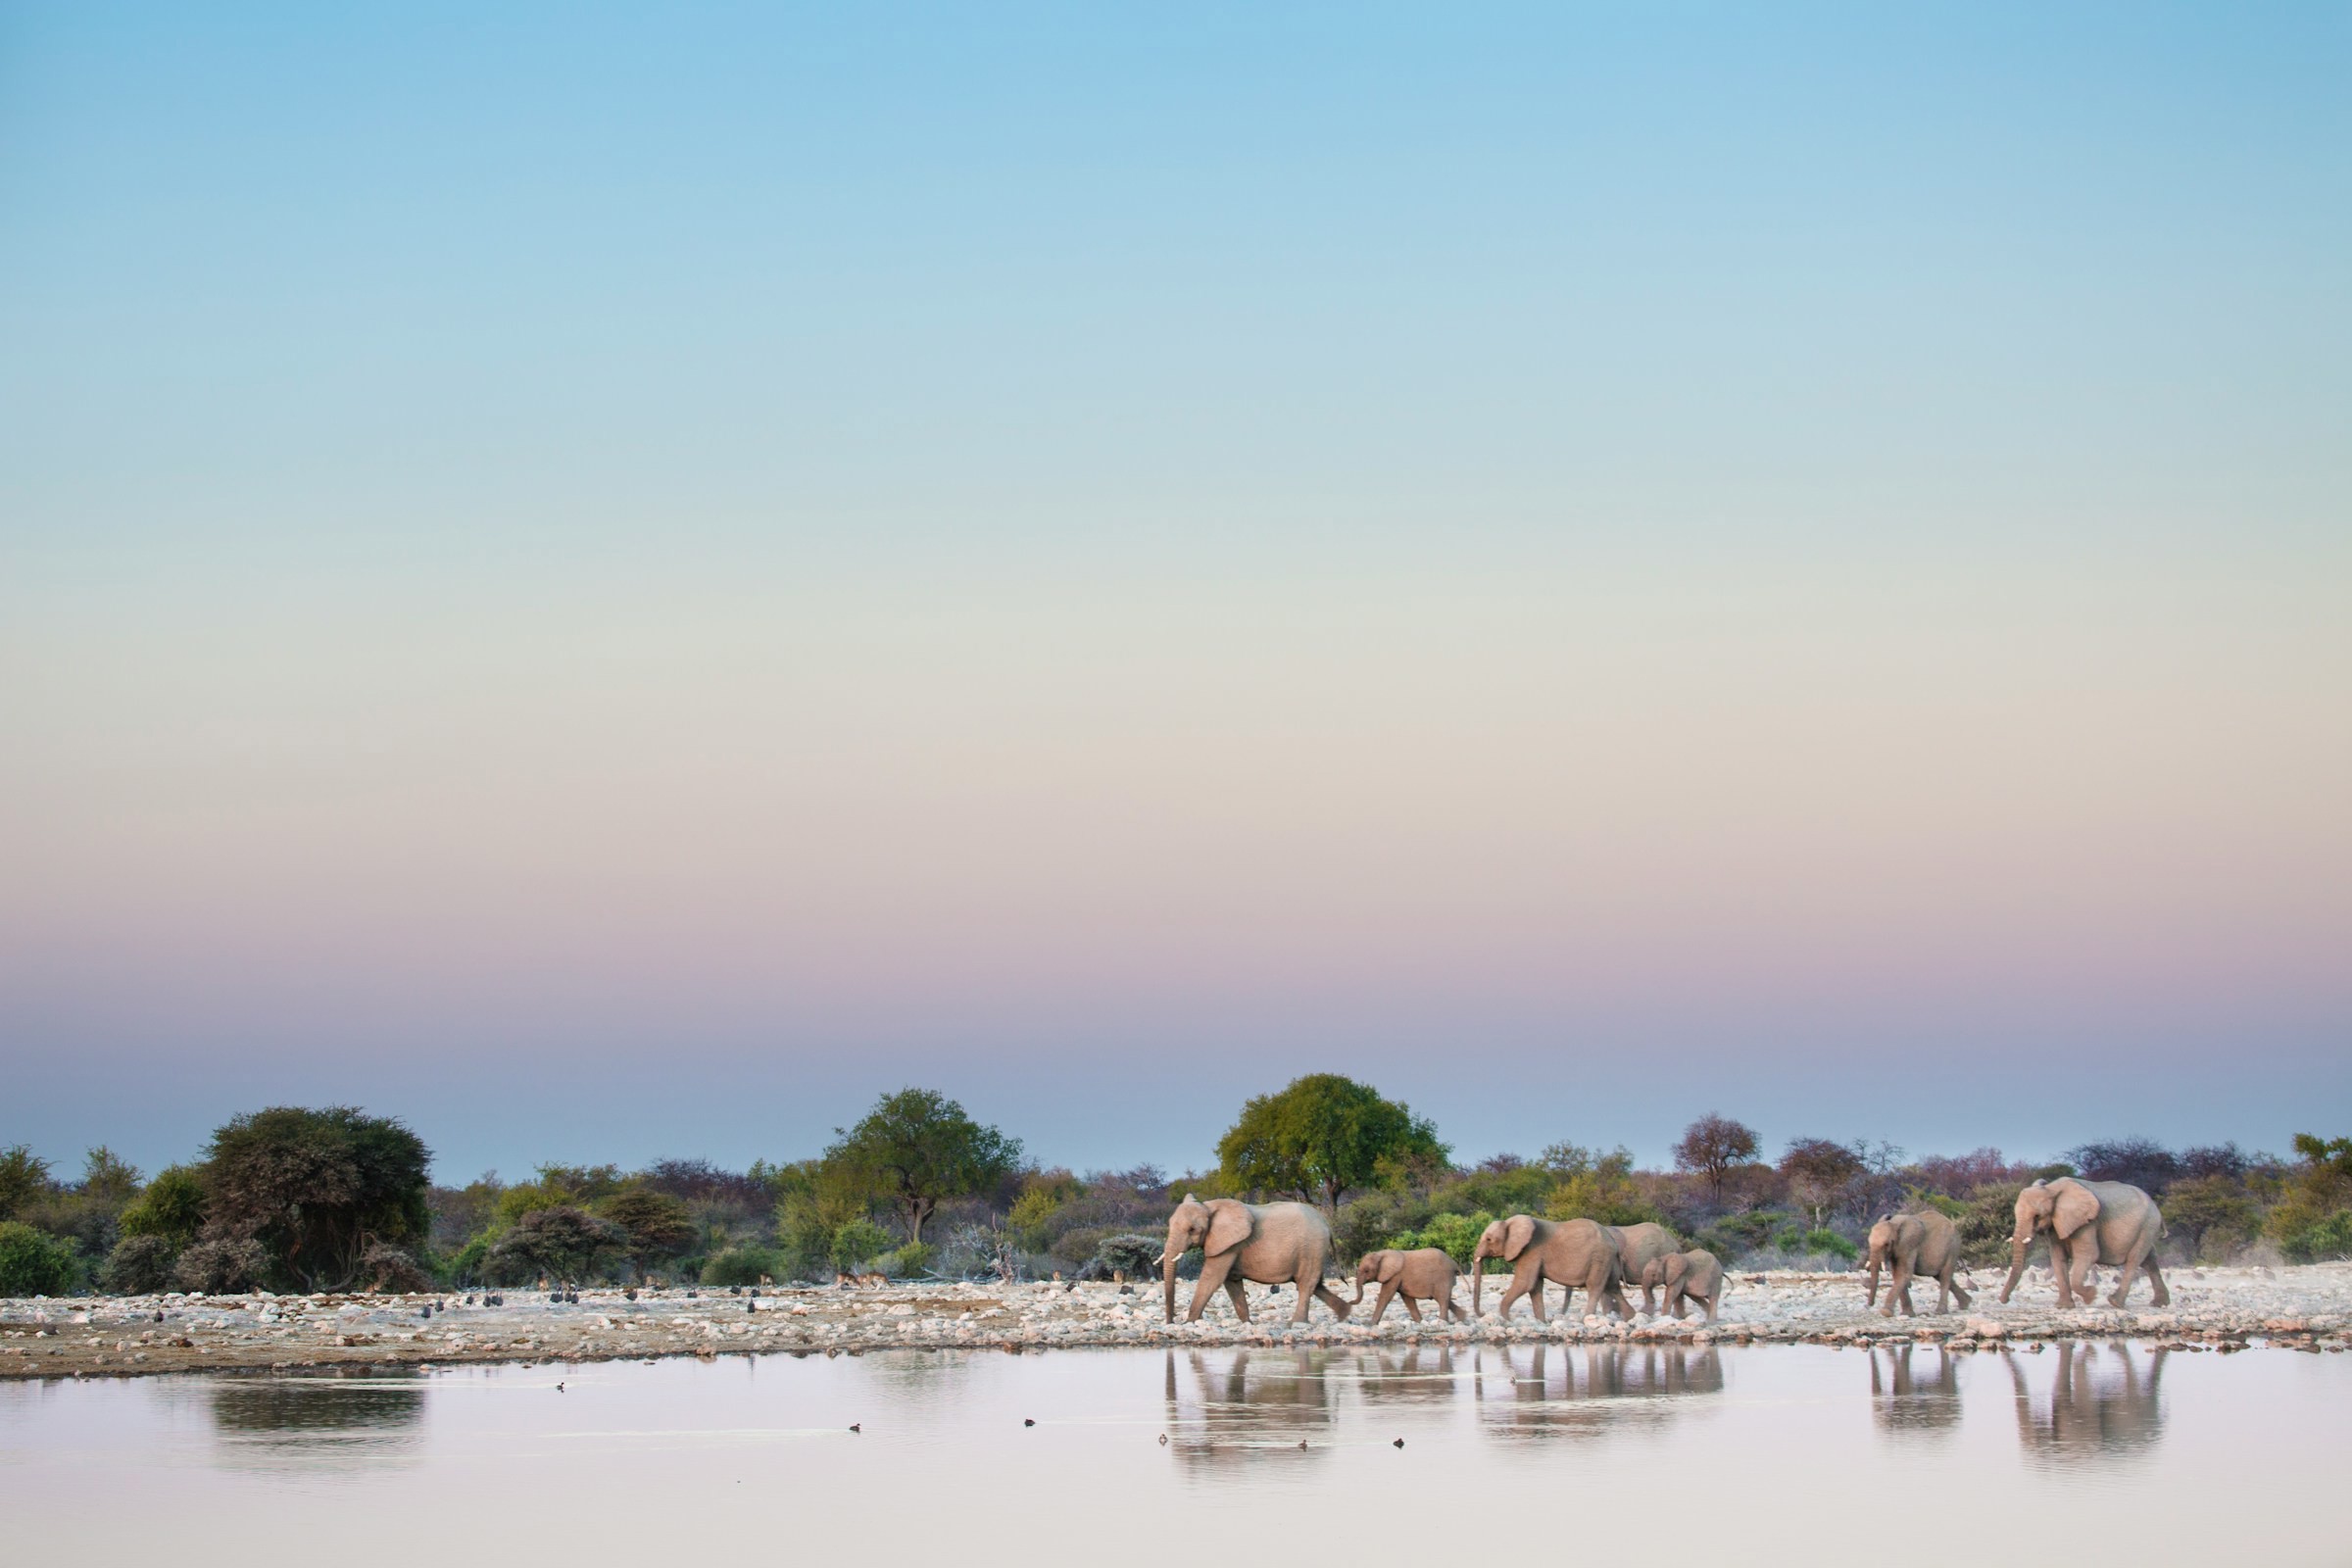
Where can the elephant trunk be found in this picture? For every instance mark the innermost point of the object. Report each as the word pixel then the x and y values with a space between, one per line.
pixel 2017 1264
pixel 1478 1274
pixel 1878 1257
pixel 1167 1274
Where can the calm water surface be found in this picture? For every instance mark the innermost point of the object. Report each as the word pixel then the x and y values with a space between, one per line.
pixel 1772 1453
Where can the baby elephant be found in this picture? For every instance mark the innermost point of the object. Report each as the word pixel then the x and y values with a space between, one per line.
pixel 1926 1244
pixel 1425 1274
pixel 1695 1275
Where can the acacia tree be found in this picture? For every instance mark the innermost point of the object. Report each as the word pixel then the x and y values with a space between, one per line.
pixel 1819 1170
pixel 917 1148
pixel 657 1224
pixel 1711 1146
pixel 314 1189
pixel 1321 1136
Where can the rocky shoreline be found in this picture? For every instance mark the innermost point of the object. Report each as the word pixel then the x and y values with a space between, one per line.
pixel 2220 1310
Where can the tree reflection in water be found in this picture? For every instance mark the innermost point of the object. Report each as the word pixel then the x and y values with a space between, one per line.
pixel 315 1422
pixel 1914 1399
pixel 1538 1391
pixel 2103 1403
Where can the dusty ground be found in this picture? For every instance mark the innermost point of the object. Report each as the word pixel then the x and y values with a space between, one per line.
pixel 2224 1308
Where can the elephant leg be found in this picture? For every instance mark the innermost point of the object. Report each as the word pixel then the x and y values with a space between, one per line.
pixel 2133 1265
pixel 2062 1271
pixel 1951 1278
pixel 2080 1277
pixel 1413 1309
pixel 1237 1290
pixel 1213 1271
pixel 2164 1297
pixel 1321 1292
pixel 1380 1306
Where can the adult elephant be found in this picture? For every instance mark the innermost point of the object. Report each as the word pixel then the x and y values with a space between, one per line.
pixel 1637 1247
pixel 1571 1252
pixel 1266 1244
pixel 2087 1223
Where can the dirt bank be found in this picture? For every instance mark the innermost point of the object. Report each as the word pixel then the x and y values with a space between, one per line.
pixel 2225 1309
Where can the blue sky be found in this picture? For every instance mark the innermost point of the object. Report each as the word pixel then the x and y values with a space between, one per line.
pixel 619 584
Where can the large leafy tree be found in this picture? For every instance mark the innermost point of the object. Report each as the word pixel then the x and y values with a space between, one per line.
pixel 316 1189
pixel 1321 1136
pixel 1711 1146
pixel 917 1148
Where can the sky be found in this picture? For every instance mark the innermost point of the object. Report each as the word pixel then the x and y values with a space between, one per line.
pixel 618 585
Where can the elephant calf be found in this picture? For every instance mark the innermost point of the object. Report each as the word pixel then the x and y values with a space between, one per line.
pixel 1926 1244
pixel 1425 1274
pixel 1692 1276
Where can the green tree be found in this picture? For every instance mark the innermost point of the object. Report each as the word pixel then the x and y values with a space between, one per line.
pixel 171 1208
pixel 917 1148
pixel 24 1177
pixel 1320 1136
pixel 315 1189
pixel 34 1263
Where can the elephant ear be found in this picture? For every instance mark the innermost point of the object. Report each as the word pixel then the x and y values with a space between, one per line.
pixel 2078 1206
pixel 1229 1223
pixel 1677 1266
pixel 1517 1232
pixel 1391 1264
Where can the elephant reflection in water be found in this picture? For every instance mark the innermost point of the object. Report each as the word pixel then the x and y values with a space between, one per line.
pixel 1412 1375
pixel 1910 1397
pixel 2102 1402
pixel 1586 1390
pixel 1271 1400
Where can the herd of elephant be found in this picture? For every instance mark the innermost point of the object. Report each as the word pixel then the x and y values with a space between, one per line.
pixel 2086 1223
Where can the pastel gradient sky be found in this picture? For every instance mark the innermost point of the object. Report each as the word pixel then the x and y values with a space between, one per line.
pixel 618 586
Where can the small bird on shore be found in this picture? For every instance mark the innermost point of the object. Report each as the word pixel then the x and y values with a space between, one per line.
pixel 1399 1444
pixel 1025 1421
pixel 856 1427
pixel 559 1388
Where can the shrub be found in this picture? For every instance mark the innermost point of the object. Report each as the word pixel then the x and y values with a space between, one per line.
pixel 1830 1241
pixel 1986 1225
pixel 1455 1235
pixel 907 1262
pixel 1129 1254
pixel 1369 1222
pixel 32 1263
pixel 139 1266
pixel 23 1176
pixel 388 1269
pixel 223 1267
pixel 742 1265
pixel 2324 1239
pixel 858 1242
